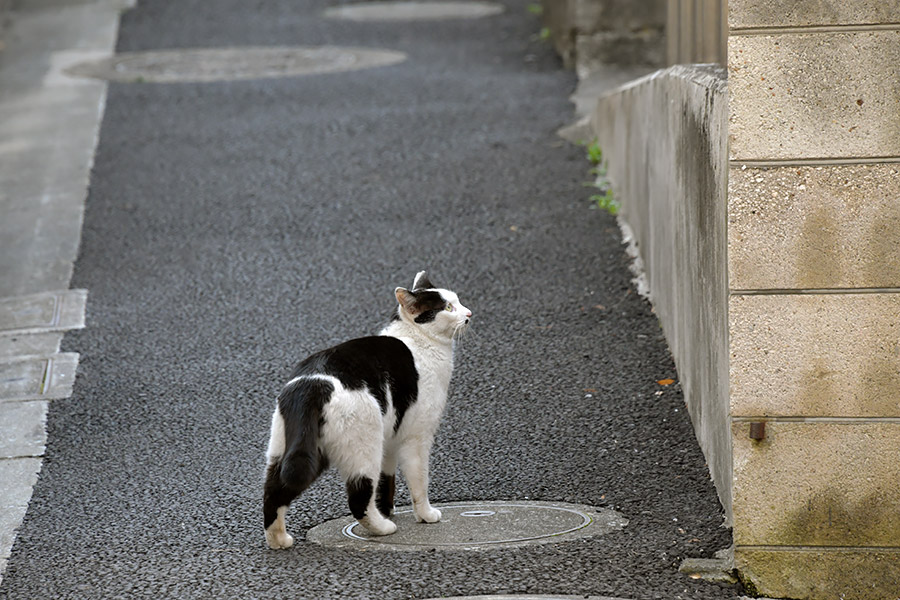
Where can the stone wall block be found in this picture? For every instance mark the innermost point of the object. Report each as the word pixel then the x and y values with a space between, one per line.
pixel 817 484
pixel 814 227
pixel 814 95
pixel 815 355
pixel 791 13
pixel 822 572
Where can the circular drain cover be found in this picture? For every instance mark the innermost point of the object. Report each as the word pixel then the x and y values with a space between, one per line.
pixel 219 64
pixel 413 11
pixel 476 525
pixel 528 597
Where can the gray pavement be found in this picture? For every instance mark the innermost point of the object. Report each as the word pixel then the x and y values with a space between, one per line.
pixel 233 227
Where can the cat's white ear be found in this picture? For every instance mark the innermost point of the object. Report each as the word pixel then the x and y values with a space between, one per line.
pixel 422 282
pixel 406 299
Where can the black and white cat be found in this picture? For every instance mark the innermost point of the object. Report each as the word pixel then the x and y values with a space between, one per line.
pixel 367 406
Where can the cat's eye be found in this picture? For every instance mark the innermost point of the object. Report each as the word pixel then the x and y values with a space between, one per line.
pixel 449 308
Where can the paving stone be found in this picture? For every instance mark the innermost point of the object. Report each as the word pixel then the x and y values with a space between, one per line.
pixel 22 429
pixel 709 569
pixel 29 344
pixel 38 377
pixel 48 311
pixel 49 126
pixel 14 498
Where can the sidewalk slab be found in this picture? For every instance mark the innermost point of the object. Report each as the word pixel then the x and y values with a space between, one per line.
pixel 49 125
pixel 46 311
pixel 31 344
pixel 38 377
pixel 22 429
pixel 14 499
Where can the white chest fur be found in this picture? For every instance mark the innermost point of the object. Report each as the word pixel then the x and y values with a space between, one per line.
pixel 434 364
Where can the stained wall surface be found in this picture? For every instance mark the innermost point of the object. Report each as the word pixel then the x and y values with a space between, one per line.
pixel 665 139
pixel 814 278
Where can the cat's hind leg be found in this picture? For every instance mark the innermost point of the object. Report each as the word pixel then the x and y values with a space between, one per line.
pixel 387 481
pixel 276 499
pixel 286 479
pixel 384 495
pixel 361 497
pixel 293 457
pixel 353 438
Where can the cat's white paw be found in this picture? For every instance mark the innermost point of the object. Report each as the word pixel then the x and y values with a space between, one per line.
pixel 279 540
pixel 378 526
pixel 428 515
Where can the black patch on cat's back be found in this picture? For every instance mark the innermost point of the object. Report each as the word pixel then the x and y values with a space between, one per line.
pixel 376 364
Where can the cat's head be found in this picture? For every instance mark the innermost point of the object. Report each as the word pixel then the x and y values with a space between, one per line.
pixel 436 310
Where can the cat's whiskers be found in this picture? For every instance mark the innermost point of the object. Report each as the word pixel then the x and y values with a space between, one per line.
pixel 459 333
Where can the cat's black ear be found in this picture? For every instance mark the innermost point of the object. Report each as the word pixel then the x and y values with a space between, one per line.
pixel 422 282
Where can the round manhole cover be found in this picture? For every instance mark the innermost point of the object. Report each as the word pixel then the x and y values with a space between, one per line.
pixel 220 64
pixel 529 597
pixel 413 11
pixel 477 525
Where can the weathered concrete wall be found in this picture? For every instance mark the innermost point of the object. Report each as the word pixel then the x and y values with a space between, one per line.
pixel 590 34
pixel 814 269
pixel 665 142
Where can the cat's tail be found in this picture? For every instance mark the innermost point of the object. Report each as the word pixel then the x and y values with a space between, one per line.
pixel 300 404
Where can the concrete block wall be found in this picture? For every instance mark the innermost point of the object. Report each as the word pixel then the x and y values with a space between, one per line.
pixel 814 308
pixel 665 139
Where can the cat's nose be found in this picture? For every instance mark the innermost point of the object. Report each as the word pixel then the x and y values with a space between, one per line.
pixel 468 314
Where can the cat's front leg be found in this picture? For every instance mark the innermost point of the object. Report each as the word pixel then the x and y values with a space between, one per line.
pixel 426 513
pixel 414 463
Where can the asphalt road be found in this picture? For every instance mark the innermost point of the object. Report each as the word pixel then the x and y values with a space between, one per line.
pixel 232 228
